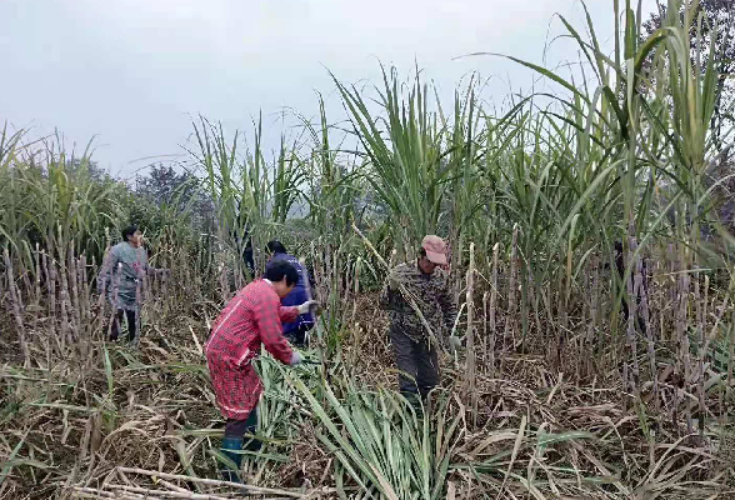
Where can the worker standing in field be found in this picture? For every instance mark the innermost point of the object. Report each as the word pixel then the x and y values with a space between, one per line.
pixel 295 331
pixel 121 278
pixel 252 318
pixel 416 357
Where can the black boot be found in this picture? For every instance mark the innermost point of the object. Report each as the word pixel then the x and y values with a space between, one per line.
pixel 415 401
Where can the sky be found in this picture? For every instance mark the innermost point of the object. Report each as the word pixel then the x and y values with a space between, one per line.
pixel 131 74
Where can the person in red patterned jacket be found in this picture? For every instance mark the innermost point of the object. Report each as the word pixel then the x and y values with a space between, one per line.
pixel 252 318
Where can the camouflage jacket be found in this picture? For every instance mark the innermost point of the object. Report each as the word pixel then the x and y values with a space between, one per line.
pixel 432 296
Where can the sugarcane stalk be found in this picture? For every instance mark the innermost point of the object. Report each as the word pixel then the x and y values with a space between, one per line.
pixel 149 494
pixel 485 299
pixel 471 375
pixel 730 351
pixel 701 353
pixel 24 274
pixel 493 307
pixel 594 312
pixel 633 288
pixel 66 327
pixel 223 283
pixel 37 261
pixel 358 266
pixel 510 321
pixel 254 490
pixel 16 302
pixel 649 333
pixel 74 302
pixel 86 293
pixel 50 270
pixel 320 333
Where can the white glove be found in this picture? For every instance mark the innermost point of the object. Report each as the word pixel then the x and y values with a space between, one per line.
pixel 296 359
pixel 306 306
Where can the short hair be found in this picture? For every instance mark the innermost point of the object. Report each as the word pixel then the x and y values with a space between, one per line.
pixel 281 269
pixel 129 231
pixel 275 246
pixel 422 252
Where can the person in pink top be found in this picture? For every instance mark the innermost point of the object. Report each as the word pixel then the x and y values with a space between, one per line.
pixel 251 319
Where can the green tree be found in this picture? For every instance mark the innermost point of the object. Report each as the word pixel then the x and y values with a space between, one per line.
pixel 720 15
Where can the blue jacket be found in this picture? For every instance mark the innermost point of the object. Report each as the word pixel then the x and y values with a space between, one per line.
pixel 298 295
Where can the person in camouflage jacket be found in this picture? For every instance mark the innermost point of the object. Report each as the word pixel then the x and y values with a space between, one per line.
pixel 416 356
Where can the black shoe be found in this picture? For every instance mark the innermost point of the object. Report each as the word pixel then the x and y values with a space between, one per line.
pixel 415 401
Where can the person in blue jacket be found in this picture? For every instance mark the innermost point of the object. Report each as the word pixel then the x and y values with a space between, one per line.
pixel 295 331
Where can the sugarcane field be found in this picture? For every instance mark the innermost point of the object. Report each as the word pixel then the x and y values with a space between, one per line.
pixel 408 294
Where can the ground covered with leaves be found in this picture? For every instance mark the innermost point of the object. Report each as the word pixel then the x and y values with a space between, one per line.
pixel 123 423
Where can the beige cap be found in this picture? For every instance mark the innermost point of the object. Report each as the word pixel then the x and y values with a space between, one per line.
pixel 436 249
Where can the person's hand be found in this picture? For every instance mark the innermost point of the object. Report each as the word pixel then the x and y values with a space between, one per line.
pixel 296 359
pixel 306 306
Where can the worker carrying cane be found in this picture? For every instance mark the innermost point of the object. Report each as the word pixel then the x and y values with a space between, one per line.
pixel 252 318
pixel 427 285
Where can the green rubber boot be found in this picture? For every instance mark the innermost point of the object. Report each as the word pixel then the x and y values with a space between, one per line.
pixel 230 447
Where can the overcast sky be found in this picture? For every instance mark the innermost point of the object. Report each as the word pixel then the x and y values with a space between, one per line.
pixel 132 72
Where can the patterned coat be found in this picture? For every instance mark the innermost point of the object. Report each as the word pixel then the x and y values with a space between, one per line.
pixel 432 296
pixel 252 318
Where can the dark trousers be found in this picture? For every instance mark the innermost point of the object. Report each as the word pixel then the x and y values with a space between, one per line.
pixel 418 364
pixel 117 321
pixel 238 428
pixel 298 337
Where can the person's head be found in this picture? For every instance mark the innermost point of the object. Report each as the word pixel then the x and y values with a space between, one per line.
pixel 132 235
pixel 433 253
pixel 284 277
pixel 274 247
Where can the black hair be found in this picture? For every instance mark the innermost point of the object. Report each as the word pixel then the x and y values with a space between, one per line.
pixel 422 252
pixel 281 269
pixel 274 247
pixel 129 231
